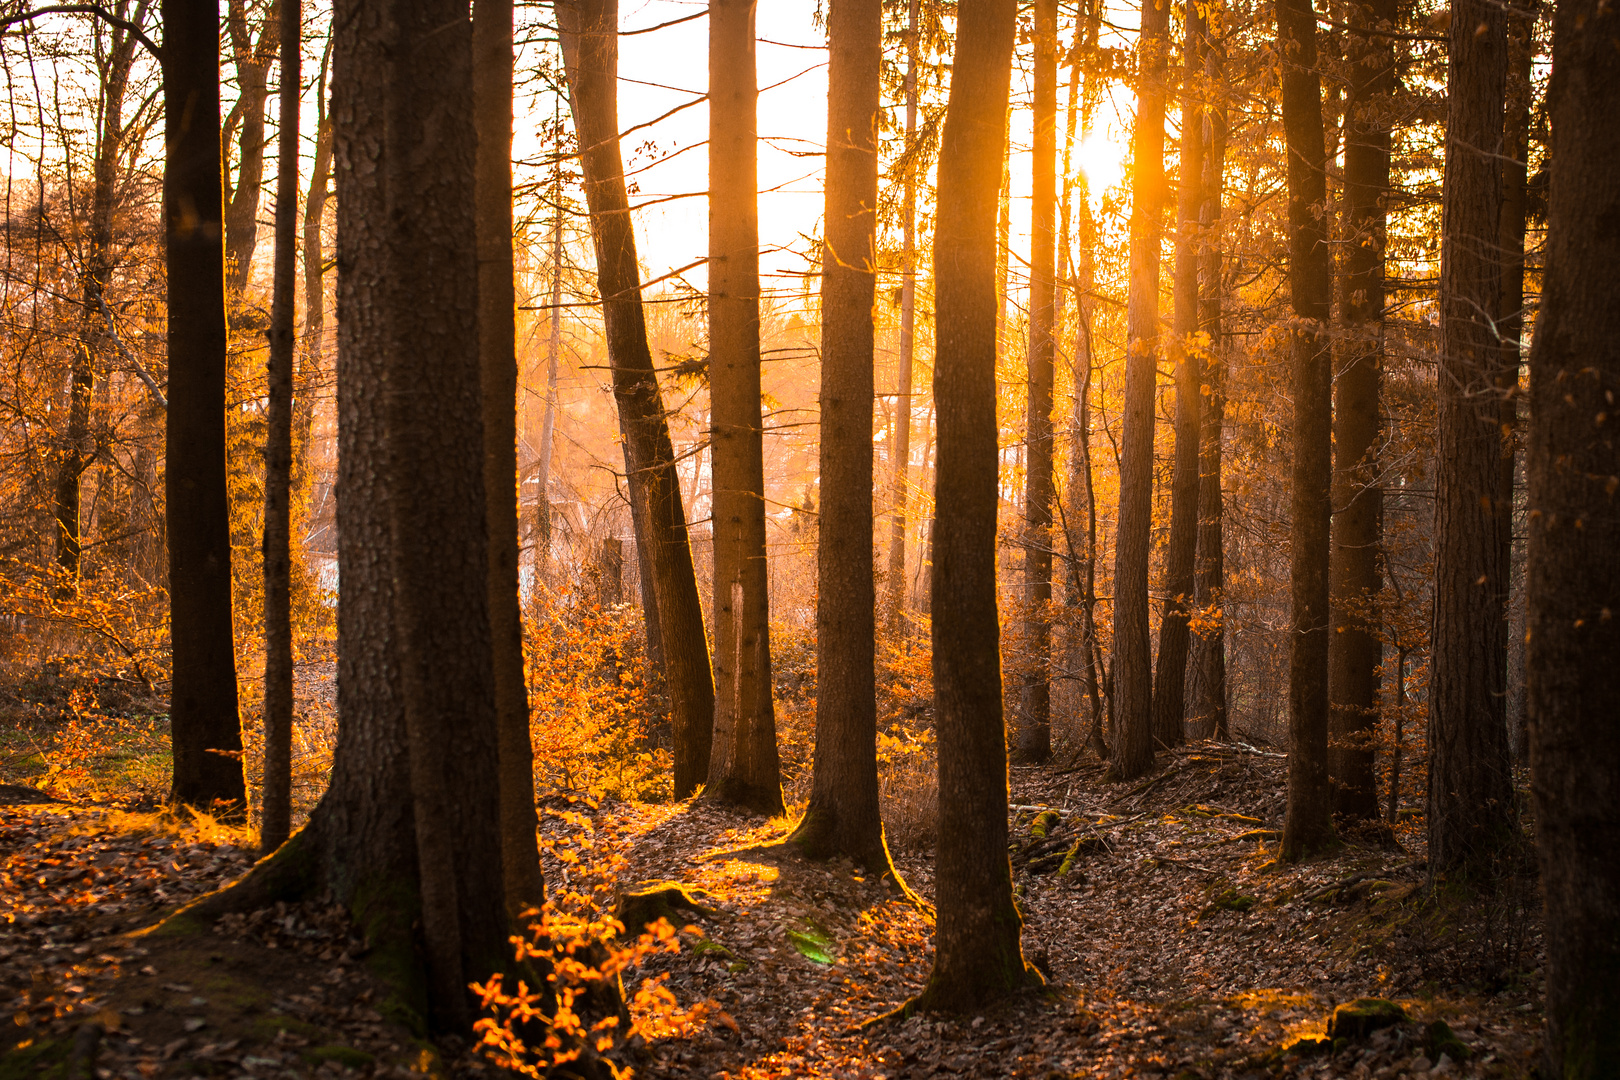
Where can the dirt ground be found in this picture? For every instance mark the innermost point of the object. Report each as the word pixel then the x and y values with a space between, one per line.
pixel 1173 944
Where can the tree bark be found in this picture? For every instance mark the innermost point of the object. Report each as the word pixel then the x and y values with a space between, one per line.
pixel 743 766
pixel 253 60
pixel 1034 727
pixel 977 954
pixel 1308 826
pixel 1574 578
pixel 498 378
pixel 204 723
pixel 1133 683
pixel 843 816
pixel 1170 678
pixel 590 41
pixel 1470 792
pixel 548 422
pixel 312 362
pixel 278 643
pixel 1355 651
pixel 901 494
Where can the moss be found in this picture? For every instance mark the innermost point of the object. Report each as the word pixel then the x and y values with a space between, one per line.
pixel 661 901
pixel 347 1056
pixel 1044 822
pixel 35 1059
pixel 1364 1016
pixel 1231 900
pixel 1441 1039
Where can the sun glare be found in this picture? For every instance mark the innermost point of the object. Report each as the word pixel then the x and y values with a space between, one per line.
pixel 1101 159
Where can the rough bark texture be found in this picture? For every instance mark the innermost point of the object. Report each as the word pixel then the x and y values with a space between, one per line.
pixel 203 718
pixel 1208 671
pixel 590 42
pixel 278 643
pixel 1308 826
pixel 1170 677
pixel 1133 662
pixel 895 581
pixel 977 954
pixel 1574 577
pixel 1470 791
pixel 1354 652
pixel 498 377
pixel 1034 726
pixel 743 767
pixel 843 817
pixel 253 60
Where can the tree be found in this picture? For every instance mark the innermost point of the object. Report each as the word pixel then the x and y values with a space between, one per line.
pixel 498 378
pixel 1170 678
pixel 1035 698
pixel 1574 579
pixel 203 719
pixel 843 816
pixel 977 956
pixel 743 765
pixel 312 358
pixel 1133 683
pixel 590 47
pixel 253 60
pixel 1355 650
pixel 1308 825
pixel 276 821
pixel 1470 791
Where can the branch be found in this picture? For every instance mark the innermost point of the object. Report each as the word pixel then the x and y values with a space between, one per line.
pixel 129 359
pixel 87 9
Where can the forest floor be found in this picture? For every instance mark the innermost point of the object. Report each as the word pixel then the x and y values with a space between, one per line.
pixel 1175 947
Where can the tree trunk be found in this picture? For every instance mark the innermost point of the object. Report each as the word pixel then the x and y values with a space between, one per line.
pixel 203 719
pixel 843 816
pixel 1308 825
pixel 1470 808
pixel 78 450
pixel 896 579
pixel 278 643
pixel 253 62
pixel 1209 579
pixel 1133 683
pixel 743 767
pixel 548 423
pixel 498 378
pixel 1034 728
pixel 1170 678
pixel 590 42
pixel 313 360
pixel 1354 652
pixel 1574 578
pixel 977 954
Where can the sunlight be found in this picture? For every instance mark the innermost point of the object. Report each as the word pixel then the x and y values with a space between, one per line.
pixel 1101 159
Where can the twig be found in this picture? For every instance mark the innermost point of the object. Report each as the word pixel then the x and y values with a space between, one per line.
pixel 151 384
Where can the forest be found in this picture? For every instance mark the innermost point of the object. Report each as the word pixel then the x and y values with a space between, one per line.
pixel 854 539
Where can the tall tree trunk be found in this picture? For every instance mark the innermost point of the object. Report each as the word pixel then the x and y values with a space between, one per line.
pixel 548 422
pixel 1574 578
pixel 1034 739
pixel 1170 679
pixel 1355 651
pixel 591 45
pixel 278 643
pixel 1133 683
pixel 1209 579
pixel 743 768
pixel 1308 826
pixel 1470 793
pixel 977 955
pixel 843 817
pixel 78 450
pixel 253 60
pixel 896 579
pixel 498 378
pixel 203 719
pixel 312 361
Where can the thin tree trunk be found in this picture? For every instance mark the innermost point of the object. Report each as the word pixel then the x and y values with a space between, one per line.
pixel 205 726
pixel 1209 580
pixel 1170 679
pixel 312 363
pixel 1133 681
pixel 1470 808
pixel 896 599
pixel 590 44
pixel 1393 806
pixel 278 643
pixel 1574 577
pixel 548 423
pixel 253 60
pixel 1034 737
pixel 977 955
pixel 1308 825
pixel 1355 651
pixel 498 379
pixel 743 767
pixel 843 817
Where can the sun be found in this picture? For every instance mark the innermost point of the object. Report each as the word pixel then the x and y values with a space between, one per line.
pixel 1101 159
